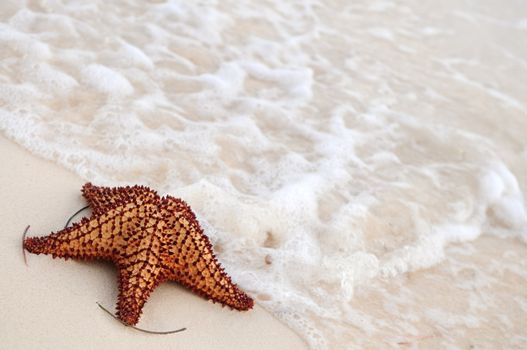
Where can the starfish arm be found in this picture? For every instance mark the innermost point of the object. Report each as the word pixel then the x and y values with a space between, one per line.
pixel 136 283
pixel 86 239
pixel 208 279
pixel 192 262
pixel 102 199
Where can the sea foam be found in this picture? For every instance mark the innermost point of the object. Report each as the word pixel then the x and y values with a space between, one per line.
pixel 325 147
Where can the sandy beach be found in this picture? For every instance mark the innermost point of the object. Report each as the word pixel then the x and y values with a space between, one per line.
pixel 360 167
pixel 51 303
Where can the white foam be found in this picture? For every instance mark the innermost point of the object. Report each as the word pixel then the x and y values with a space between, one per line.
pixel 522 24
pixel 135 56
pixel 499 187
pixel 324 148
pixel 50 79
pixel 382 33
pixel 106 80
pixel 381 6
pixel 296 82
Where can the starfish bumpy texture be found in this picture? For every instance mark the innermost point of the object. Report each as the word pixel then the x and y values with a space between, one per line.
pixel 151 239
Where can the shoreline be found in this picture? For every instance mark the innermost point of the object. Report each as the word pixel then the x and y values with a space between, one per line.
pixel 52 303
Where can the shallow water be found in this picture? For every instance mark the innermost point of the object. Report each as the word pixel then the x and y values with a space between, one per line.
pixel 331 149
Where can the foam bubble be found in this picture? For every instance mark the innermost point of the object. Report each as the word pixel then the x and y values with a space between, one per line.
pixel 135 56
pixel 106 80
pixel 51 79
pixel 503 197
pixel 382 33
pixel 296 82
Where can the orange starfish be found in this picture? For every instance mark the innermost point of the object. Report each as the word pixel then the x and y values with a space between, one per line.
pixel 151 240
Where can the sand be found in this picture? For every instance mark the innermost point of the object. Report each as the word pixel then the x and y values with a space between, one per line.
pixel 51 303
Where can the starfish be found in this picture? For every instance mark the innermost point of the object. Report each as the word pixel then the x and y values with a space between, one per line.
pixel 151 239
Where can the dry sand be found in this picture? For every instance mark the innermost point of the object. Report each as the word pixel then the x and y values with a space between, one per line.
pixel 51 303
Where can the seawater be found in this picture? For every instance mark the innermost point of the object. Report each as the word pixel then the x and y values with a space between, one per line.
pixel 326 146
